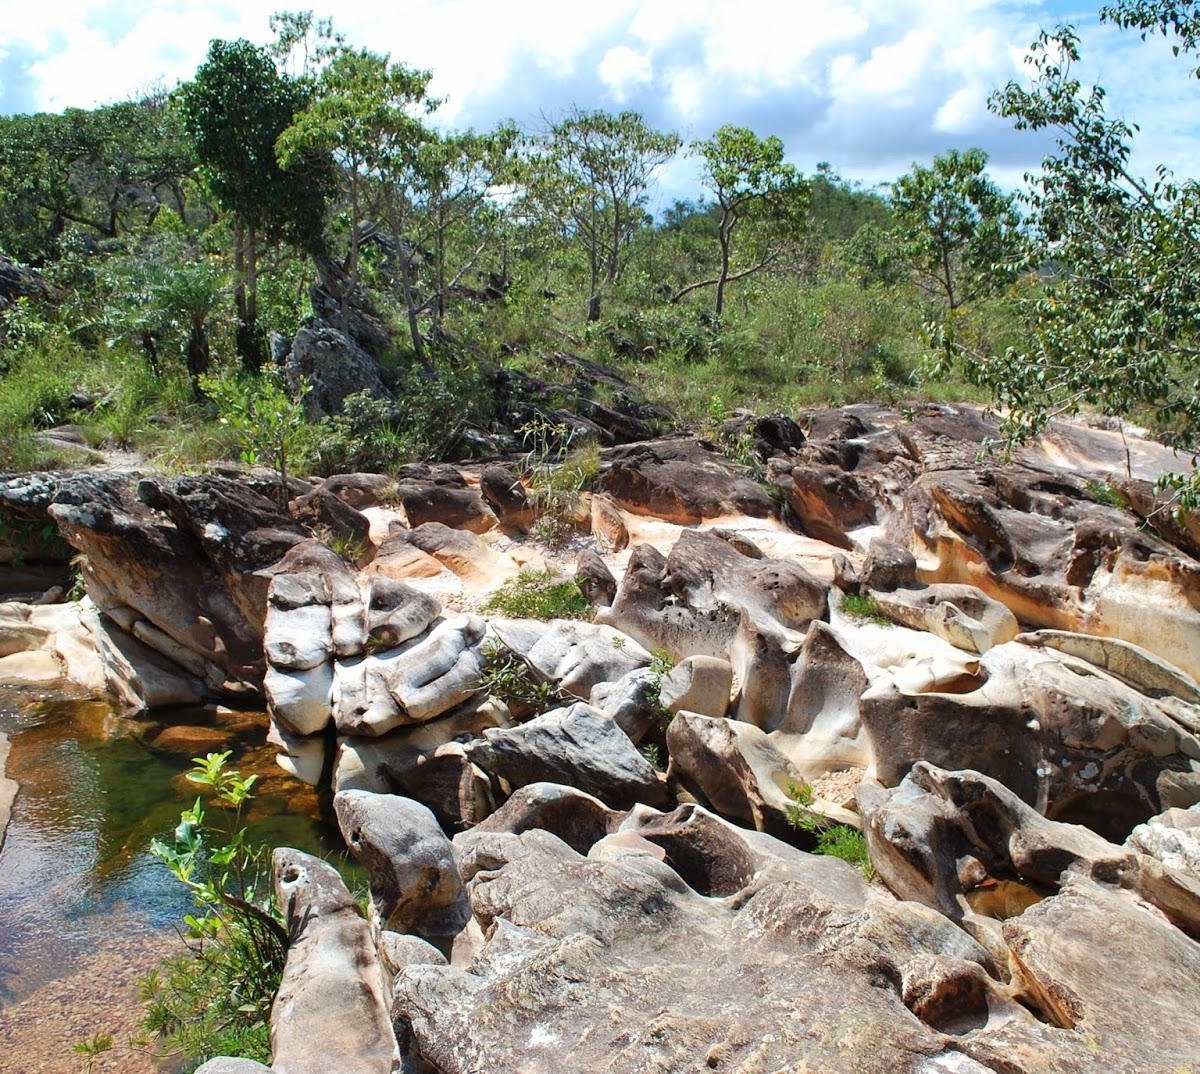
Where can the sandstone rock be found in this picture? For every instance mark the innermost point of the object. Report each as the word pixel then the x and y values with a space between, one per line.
pixel 331 519
pixel 223 1065
pixel 595 580
pixel 359 491
pixel 414 882
pixel 575 656
pixel 699 684
pixel 454 506
pixel 760 975
pixel 608 527
pixel 692 602
pixel 302 756
pixel 680 481
pixel 302 700
pixel 733 768
pixel 578 746
pixel 8 789
pixel 436 672
pixel 397 613
pixel 331 1011
pixel 507 498
pixel 960 614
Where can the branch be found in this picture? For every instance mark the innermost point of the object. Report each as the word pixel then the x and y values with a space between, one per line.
pixel 767 259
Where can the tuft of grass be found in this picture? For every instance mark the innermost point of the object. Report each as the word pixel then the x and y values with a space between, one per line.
pixel 1103 493
pixel 539 595
pixel 835 840
pixel 863 606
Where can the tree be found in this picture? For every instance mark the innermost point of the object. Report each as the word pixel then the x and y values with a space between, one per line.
pixel 234 111
pixel 361 115
pixel 1115 324
pixel 590 173
pixel 757 191
pixel 958 228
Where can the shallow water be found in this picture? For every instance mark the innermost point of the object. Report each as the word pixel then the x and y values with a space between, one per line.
pixel 76 874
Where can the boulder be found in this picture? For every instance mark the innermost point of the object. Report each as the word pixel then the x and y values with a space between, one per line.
pixel 961 614
pixel 8 789
pixel 414 883
pixel 575 656
pixel 681 481
pixel 506 496
pixel 595 580
pixel 578 746
pixel 335 367
pixel 331 1011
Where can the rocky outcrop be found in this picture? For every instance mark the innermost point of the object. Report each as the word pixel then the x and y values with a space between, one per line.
pixel 335 367
pixel 332 979
pixel 8 790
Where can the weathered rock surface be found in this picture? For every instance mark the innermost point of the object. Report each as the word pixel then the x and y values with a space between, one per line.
pixel 414 882
pixel 8 789
pixel 579 746
pixel 335 367
pixel 332 1004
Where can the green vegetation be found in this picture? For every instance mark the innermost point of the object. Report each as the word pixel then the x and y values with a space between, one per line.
pixel 175 232
pixel 216 999
pixel 539 595
pixel 863 606
pixel 510 679
pixel 836 840
pixel 1099 492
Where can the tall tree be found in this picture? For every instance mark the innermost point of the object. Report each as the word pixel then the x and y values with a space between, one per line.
pixel 958 228
pixel 758 192
pixel 234 111
pixel 361 113
pixel 591 173
pixel 1115 323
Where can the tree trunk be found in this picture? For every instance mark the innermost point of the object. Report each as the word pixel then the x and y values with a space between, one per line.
pixel 197 355
pixel 150 348
pixel 249 346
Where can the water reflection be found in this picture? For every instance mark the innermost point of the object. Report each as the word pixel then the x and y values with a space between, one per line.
pixel 75 871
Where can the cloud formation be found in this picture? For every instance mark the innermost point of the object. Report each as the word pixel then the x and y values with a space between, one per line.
pixel 870 85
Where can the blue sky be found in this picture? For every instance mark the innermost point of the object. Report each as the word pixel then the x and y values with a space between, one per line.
pixel 869 85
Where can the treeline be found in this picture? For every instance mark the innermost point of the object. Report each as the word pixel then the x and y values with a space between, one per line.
pixel 181 230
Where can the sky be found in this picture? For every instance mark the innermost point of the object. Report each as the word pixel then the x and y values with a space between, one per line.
pixel 868 85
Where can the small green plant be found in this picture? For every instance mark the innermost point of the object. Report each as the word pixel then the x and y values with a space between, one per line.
pixel 216 999
pixel 269 423
pixel 345 545
pixel 863 606
pixel 1103 493
pixel 539 595
pixel 652 754
pixel 508 678
pixel 91 1048
pixel 555 485
pixel 836 840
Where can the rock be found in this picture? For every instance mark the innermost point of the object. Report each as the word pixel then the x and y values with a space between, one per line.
pixel 577 818
pixel 608 527
pixel 507 498
pixel 302 756
pixel 372 764
pixel 223 1065
pixel 331 1011
pixel 573 655
pixel 17 281
pixel 335 367
pixel 398 558
pixel 190 741
pixel 888 566
pixel 790 962
pixel 828 503
pixel 699 684
pixel 302 700
pixel 1173 838
pixel 331 519
pixel 433 674
pixel 298 633
pixel 594 579
pixel 360 491
pixel 8 789
pixel 397 613
pixel 436 503
pixel 733 768
pixel 414 882
pixel 961 614
pixel 680 481
pixel 692 602
pixel 468 556
pixel 578 746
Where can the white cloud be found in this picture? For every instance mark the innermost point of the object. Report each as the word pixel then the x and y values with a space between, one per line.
pixel 868 84
pixel 622 68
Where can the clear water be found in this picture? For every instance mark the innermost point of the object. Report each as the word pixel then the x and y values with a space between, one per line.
pixel 75 870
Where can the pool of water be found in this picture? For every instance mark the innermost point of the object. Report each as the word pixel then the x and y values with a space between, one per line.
pixel 75 869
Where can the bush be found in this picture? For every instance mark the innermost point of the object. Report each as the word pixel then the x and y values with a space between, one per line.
pixel 216 999
pixel 539 595
pixel 836 840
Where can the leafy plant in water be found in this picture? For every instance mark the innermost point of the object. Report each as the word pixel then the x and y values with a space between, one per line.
pixel 216 999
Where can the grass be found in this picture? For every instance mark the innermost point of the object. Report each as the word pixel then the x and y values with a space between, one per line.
pixel 539 595
pixel 863 606
pixel 1102 493
pixel 835 840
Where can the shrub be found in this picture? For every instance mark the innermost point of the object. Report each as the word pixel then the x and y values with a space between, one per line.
pixel 863 606
pixel 510 679
pixel 836 840
pixel 539 595
pixel 216 999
